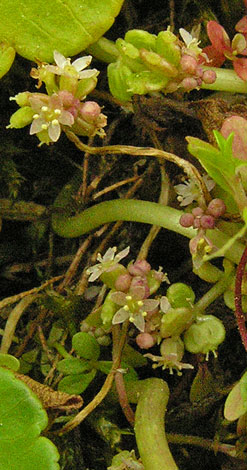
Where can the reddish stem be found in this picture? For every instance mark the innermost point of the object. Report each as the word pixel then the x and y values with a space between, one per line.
pixel 238 299
pixel 119 381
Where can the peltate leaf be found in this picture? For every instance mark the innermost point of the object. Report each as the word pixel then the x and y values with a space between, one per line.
pixel 22 419
pixel 35 28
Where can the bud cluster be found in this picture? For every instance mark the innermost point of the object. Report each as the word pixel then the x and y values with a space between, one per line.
pixel 67 86
pixel 202 220
pixel 149 63
pixel 199 218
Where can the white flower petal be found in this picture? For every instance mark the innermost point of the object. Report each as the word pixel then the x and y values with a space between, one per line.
pixel 54 131
pixel 139 322
pixel 66 118
pixel 60 60
pixel 54 69
pixel 150 304
pixel 120 316
pixel 109 254
pixel 119 298
pixel 210 184
pixel 138 292
pixel 88 73
pixel 123 253
pixel 95 272
pixel 82 62
pixel 186 36
pixel 36 126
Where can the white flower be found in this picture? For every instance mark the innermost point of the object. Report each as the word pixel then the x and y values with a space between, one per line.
pixel 107 262
pixel 64 67
pixel 49 115
pixel 172 351
pixel 169 361
pixel 189 192
pixel 134 307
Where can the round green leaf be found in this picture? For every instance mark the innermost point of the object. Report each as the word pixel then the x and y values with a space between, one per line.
pixel 22 418
pixel 35 28
pixel 86 346
pixel 73 365
pixel 76 383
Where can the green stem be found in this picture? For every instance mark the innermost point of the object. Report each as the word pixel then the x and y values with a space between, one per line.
pixel 226 80
pixel 128 210
pixel 215 291
pixel 149 426
pixel 119 209
pixel 62 351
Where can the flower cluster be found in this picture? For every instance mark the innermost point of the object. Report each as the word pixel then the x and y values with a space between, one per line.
pixel 222 48
pixel 131 286
pixel 164 320
pixel 63 106
pixel 149 63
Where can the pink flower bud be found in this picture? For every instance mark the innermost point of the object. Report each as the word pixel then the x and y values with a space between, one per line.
pixel 188 64
pixel 186 220
pixel 189 83
pixel 90 110
pixel 209 76
pixel 199 72
pixel 207 221
pixel 216 207
pixel 197 211
pixel 145 340
pixel 123 282
pixel 139 268
pixel 138 282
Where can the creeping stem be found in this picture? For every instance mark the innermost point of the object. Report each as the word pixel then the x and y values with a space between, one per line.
pixel 149 426
pixel 133 210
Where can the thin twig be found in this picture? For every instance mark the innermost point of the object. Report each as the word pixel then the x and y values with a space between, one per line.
pixel 114 186
pixel 208 444
pixel 75 263
pixel 32 328
pixel 188 168
pixel 15 298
